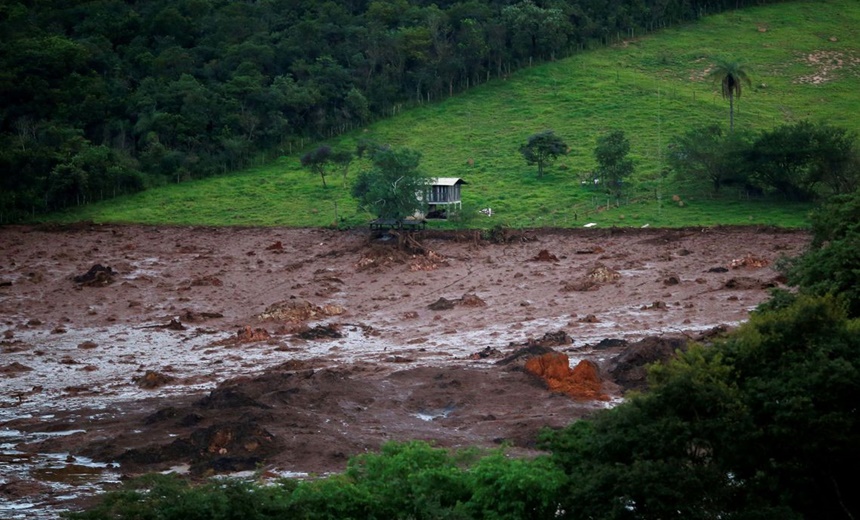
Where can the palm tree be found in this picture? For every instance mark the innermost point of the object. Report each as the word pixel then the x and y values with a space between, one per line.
pixel 731 76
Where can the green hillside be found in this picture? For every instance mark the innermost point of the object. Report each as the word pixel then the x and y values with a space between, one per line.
pixel 804 61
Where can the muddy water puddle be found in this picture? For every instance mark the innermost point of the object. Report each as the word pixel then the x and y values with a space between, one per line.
pixel 35 485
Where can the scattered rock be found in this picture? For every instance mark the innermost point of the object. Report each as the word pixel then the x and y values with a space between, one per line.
pixel 602 274
pixel 97 276
pixel 657 305
pixel 152 379
pixel 468 300
pixel 298 311
pixel 672 280
pixel 589 318
pixel 545 256
pixel 248 335
pixel 629 369
pixel 14 368
pixel 86 345
pixel 744 283
pixel 320 332
pixel 751 261
pixel 718 270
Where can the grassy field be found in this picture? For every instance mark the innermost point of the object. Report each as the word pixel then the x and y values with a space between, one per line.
pixel 804 61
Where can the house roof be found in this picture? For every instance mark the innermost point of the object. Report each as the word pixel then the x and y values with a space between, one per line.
pixel 447 181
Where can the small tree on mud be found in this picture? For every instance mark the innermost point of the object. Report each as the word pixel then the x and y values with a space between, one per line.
pixel 392 187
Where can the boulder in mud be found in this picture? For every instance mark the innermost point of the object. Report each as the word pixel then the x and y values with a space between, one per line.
pixel 152 379
pixel 296 311
pixel 581 383
pixel 629 369
pixel 544 256
pixel 97 276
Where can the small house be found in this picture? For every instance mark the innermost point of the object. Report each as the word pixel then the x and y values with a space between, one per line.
pixel 443 197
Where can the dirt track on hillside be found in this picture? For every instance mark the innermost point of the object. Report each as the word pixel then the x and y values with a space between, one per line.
pixel 222 350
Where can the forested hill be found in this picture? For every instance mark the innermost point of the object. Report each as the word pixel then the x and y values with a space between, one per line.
pixel 106 97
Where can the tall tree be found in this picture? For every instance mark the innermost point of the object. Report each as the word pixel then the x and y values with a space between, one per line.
pixel 613 166
pixel 390 189
pixel 731 76
pixel 542 149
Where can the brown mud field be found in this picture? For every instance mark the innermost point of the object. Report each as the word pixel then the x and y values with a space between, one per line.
pixel 129 349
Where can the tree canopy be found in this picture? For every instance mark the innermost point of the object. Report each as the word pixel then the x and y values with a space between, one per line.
pixel 167 91
pixel 391 188
pixel 542 149
pixel 613 165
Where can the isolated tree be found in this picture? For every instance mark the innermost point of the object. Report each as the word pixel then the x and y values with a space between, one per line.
pixel 613 166
pixel 319 161
pixel 731 76
pixel 542 149
pixel 390 189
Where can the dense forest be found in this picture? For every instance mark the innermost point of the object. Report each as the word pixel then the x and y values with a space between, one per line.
pixel 104 97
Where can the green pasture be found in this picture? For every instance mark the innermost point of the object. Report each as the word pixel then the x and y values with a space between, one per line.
pixel 803 59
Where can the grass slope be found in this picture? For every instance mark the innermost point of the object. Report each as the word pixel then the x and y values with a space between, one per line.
pixel 804 59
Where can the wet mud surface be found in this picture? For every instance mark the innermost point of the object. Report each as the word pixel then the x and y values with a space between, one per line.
pixel 128 349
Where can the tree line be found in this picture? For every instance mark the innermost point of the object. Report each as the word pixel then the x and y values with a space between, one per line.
pixel 760 424
pixel 107 97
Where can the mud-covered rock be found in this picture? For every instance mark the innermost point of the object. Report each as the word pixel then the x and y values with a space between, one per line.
pixel 629 369
pixel 97 276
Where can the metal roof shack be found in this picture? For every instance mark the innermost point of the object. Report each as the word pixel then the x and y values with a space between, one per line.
pixel 443 196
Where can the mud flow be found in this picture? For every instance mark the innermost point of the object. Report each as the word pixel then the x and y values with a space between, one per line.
pixel 283 352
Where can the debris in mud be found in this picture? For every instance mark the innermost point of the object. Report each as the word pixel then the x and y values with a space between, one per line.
pixel 601 273
pixel 298 311
pixel 14 368
pixel 442 304
pixel 97 276
pixel 718 270
pixel 152 379
pixel 277 247
pixel 5 283
pixel 593 251
pixel 610 343
pixel 629 369
pixel 248 335
pixel 744 283
pixel 467 300
pixel 545 256
pixel 429 261
pixel 87 345
pixel 657 305
pixel 320 332
pixel 582 285
pixel 749 261
pixel 207 281
pixel 191 316
pixel 487 352
pixel 550 339
pixel 224 447
pixel 672 280
pixel 589 318
pixel 525 353
pixel 581 383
